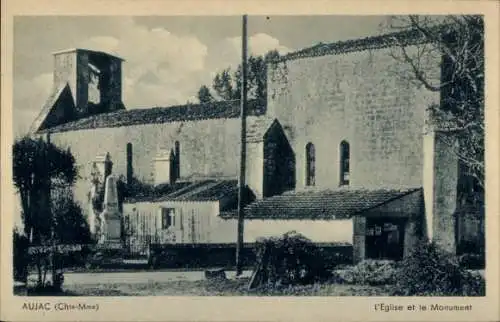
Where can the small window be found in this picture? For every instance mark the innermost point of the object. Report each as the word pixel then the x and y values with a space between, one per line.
pixel 167 218
pixel 310 165
pixel 344 163
pixel 130 167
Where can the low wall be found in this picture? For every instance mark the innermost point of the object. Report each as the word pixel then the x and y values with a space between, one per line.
pixel 318 231
pixel 224 255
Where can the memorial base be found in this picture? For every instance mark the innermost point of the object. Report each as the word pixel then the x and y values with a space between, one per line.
pixel 108 253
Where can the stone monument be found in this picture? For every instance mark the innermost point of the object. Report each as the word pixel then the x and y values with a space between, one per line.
pixel 110 217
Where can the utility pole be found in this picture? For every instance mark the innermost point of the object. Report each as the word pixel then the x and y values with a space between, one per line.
pixel 241 181
pixel 53 247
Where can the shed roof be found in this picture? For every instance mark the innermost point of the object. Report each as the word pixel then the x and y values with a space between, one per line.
pixel 257 128
pixel 326 204
pixel 190 112
pixel 54 96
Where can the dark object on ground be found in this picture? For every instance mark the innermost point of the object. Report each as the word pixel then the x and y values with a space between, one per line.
pixel 20 289
pixel 217 274
pixel 472 261
pixel 291 259
pixel 58 280
pixel 429 271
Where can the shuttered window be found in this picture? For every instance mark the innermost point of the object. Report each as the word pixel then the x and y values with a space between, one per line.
pixel 167 218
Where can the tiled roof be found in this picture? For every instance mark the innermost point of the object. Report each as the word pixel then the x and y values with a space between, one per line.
pixel 206 190
pixel 191 112
pixel 326 204
pixel 375 42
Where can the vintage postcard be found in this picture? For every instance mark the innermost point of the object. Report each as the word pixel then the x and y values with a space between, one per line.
pixel 221 161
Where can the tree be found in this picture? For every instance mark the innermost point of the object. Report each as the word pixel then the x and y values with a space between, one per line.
pixel 204 95
pixel 222 85
pixel 459 40
pixel 70 226
pixel 38 168
pixel 43 174
pixel 227 85
pixel 19 256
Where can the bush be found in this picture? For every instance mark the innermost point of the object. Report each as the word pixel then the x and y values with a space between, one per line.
pixel 430 271
pixel 291 259
pixel 371 272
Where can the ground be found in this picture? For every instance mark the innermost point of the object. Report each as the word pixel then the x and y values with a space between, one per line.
pixel 192 283
pixel 226 288
pixel 145 282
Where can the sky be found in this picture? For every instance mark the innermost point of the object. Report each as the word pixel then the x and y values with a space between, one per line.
pixel 167 58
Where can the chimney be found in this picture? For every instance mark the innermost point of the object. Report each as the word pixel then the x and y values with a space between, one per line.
pixel 164 164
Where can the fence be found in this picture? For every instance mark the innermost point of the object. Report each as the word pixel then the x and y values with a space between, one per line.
pixel 139 245
pixel 140 232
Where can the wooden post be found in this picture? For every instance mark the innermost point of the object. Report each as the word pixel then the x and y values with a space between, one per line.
pixel 241 181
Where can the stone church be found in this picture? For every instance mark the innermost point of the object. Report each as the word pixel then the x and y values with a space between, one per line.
pixel 341 151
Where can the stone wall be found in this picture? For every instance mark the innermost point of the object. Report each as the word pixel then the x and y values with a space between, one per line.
pixel 363 97
pixel 65 71
pixel 208 148
pixel 359 238
pixel 254 171
pixel 110 80
pixel 72 67
pixel 444 191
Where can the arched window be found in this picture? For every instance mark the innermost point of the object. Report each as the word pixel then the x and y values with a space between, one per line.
pixel 130 167
pixel 177 163
pixel 344 163
pixel 310 164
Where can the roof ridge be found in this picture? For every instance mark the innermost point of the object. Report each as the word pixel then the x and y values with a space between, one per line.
pixel 410 36
pixel 203 187
pixel 176 193
pixel 157 115
pixel 391 200
pixel 337 204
